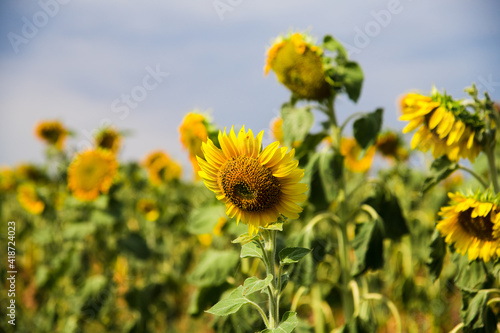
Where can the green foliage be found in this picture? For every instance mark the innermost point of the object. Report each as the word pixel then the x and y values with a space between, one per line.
pixel 437 254
pixel 296 123
pixel 230 304
pixel 441 168
pixel 287 324
pixel 477 316
pixel 214 268
pixel 292 255
pixel 369 247
pixel 251 250
pixel 367 127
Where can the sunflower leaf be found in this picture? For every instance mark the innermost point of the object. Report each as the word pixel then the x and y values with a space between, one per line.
pixel 476 314
pixel 441 168
pixel 292 255
pixel 436 257
pixel 330 168
pixel 366 128
pixel 369 247
pixel 353 80
pixel 296 124
pixel 253 284
pixel 251 250
pixel 214 268
pixel 243 239
pixel 287 324
pixel 229 305
pixel 331 44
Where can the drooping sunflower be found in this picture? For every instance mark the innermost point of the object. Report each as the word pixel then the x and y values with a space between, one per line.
pixel 444 126
pixel 298 64
pixel 162 168
pixel 91 173
pixel 390 146
pixel 256 186
pixel 350 149
pixel 193 131
pixel 149 208
pixel 52 132
pixel 29 198
pixel 472 224
pixel 30 172
pixel 109 139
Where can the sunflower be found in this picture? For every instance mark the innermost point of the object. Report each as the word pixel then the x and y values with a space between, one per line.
pixel 277 129
pixel 30 172
pixel 91 173
pixel 148 208
pixel 472 223
pixel 350 149
pixel 29 198
pixel 193 131
pixel 7 179
pixel 444 126
pixel 389 145
pixel 298 64
pixel 52 132
pixel 256 186
pixel 108 139
pixel 162 168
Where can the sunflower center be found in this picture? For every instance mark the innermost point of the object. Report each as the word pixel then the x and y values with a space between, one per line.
pixel 480 227
pixel 107 141
pixel 249 185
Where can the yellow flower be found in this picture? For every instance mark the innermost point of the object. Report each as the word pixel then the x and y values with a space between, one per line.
pixel 91 173
pixel 193 133
pixel 149 208
pixel 108 139
pixel 218 227
pixel 350 149
pixel 472 224
pixel 205 239
pixel 7 179
pixel 162 168
pixel 277 129
pixel 29 198
pixel 256 186
pixel 389 145
pixel 30 172
pixel 298 64
pixel 444 126
pixel 52 132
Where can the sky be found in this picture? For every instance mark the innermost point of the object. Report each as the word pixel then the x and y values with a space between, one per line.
pixel 78 60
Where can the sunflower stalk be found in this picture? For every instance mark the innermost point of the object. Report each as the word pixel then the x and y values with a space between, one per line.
pixel 274 287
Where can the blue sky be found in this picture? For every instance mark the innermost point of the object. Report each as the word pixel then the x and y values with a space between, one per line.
pixel 84 55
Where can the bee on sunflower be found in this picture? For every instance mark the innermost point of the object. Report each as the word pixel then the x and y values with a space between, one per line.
pixel 351 150
pixel 108 139
pixel 29 198
pixel 444 126
pixel 52 132
pixel 161 168
pixel 90 173
pixel 257 186
pixel 472 224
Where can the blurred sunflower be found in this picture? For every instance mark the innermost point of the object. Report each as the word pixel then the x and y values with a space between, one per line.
pixel 277 129
pixel 298 64
pixel 162 168
pixel 350 149
pixel 193 131
pixel 108 139
pixel 256 186
pixel 472 224
pixel 389 145
pixel 29 198
pixel 52 132
pixel 149 208
pixel 206 239
pixel 7 179
pixel 91 173
pixel 30 172
pixel 444 126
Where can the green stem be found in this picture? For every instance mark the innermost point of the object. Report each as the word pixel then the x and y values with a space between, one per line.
pixel 392 307
pixel 490 153
pixel 457 328
pixel 273 289
pixel 475 175
pixel 261 312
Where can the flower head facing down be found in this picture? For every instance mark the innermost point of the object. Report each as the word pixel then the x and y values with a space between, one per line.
pixel 108 139
pixel 256 186
pixel 149 208
pixel 389 145
pixel 298 64
pixel 29 198
pixel 444 126
pixel 161 168
pixel 52 132
pixel 351 150
pixel 472 224
pixel 91 173
pixel 193 132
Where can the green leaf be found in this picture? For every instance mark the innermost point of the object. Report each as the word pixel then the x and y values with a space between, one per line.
pixel 296 123
pixel 441 168
pixel 287 324
pixel 471 275
pixel 284 280
pixel 330 168
pixel 214 268
pixel 229 305
pixel 369 247
pixel 311 141
pixel 275 226
pixel 292 255
pixel 253 284
pixel 366 128
pixel 386 204
pixel 243 239
pixel 313 180
pixel 353 80
pixel 331 44
pixel 79 230
pixel 476 314
pixel 251 250
pixel 437 254
pixel 134 244
pixel 203 219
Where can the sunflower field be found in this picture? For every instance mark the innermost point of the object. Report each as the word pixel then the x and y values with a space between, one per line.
pixel 327 229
